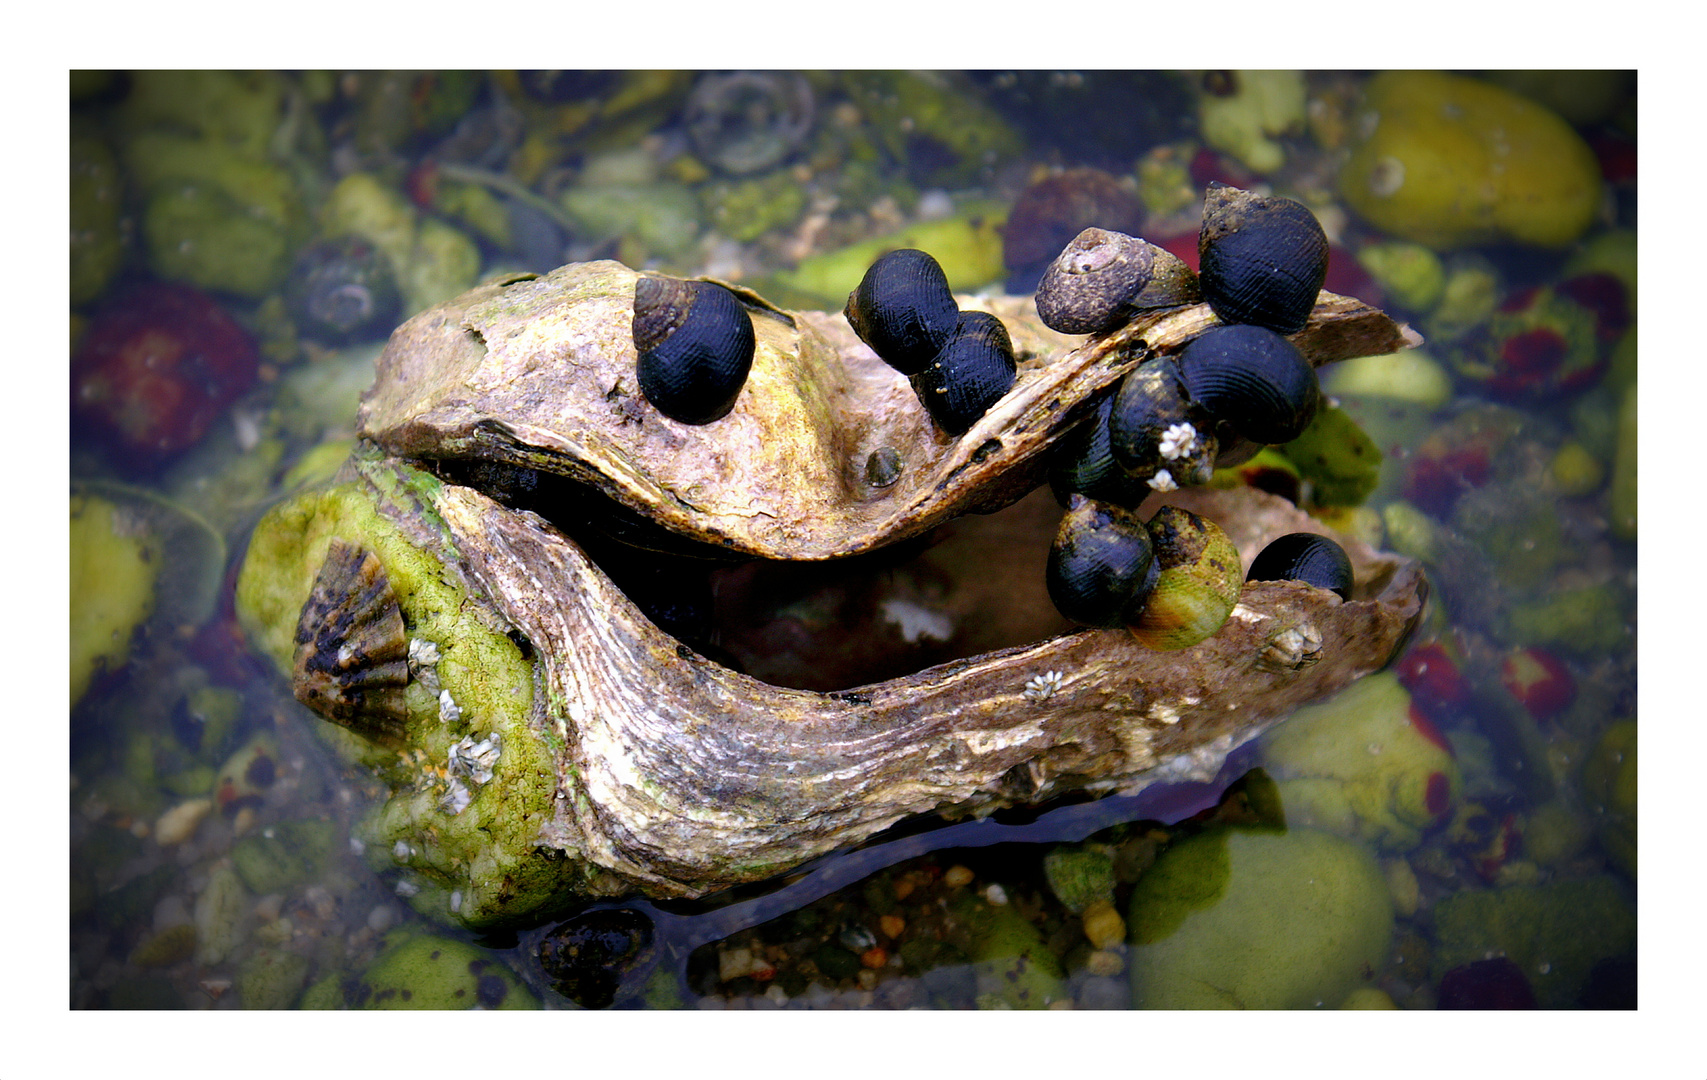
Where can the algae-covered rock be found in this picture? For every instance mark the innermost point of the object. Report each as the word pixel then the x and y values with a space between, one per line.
pixel 967 246
pixel 219 914
pixel 97 196
pixel 1245 123
pixel 660 219
pixel 1452 161
pixel 113 566
pixel 1080 875
pixel 1341 462
pixel 1395 772
pixel 1411 275
pixel 1013 966
pixel 934 122
pixel 430 972
pixel 1554 933
pixel 1257 918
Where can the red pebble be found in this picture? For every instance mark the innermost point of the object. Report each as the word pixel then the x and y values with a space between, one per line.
pixel 1435 482
pixel 1438 795
pixel 156 369
pixel 1605 295
pixel 1539 681
pixel 1432 676
pixel 1425 727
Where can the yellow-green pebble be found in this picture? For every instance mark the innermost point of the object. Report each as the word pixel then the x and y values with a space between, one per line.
pixel 1368 997
pixel 1624 469
pixel 112 587
pixel 1575 471
pixel 1452 161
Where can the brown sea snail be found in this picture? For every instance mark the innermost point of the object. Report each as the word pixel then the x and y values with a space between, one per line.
pixel 1102 278
pixel 1308 557
pixel 1261 259
pixel 1253 379
pixel 904 310
pixel 970 374
pixel 695 343
pixel 1102 565
pixel 1172 587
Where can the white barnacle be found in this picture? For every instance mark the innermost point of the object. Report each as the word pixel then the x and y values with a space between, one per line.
pixel 1179 440
pixel 422 653
pixel 406 888
pixel 476 759
pixel 449 711
pixel 1163 481
pixel 1042 687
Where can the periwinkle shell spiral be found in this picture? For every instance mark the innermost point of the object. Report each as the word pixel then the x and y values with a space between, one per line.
pixel 1308 557
pixel 695 343
pixel 904 310
pixel 970 374
pixel 1261 259
pixel 1102 278
pixel 1253 379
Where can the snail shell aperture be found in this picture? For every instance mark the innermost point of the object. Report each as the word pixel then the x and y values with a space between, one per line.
pixel 1308 557
pixel 695 343
pixel 1253 379
pixel 1102 278
pixel 904 310
pixel 1261 260
pixel 970 374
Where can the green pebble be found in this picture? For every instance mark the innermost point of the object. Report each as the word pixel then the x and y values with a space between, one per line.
pixel 836 962
pixel 97 196
pixel 430 972
pixel 219 916
pixel 661 219
pixel 1410 376
pixel 967 246
pixel 1012 965
pixel 747 209
pixel 1624 469
pixel 1256 918
pixel 1246 123
pixel 199 235
pixel 283 855
pixel 166 948
pixel 443 263
pixel 1575 471
pixel 270 979
pixel 1411 275
pixel 1471 294
pixel 327 993
pixel 1079 876
pixel 1341 462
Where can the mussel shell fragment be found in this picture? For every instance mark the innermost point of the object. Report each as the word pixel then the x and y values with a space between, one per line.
pixel 1308 557
pixel 1253 379
pixel 352 650
pixel 1156 433
pixel 970 374
pixel 1102 278
pixel 904 310
pixel 695 343
pixel 1261 259
pixel 1199 580
pixel 1101 567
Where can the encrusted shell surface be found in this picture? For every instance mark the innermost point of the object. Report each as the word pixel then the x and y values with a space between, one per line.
pixel 1102 278
pixel 538 372
pixel 352 651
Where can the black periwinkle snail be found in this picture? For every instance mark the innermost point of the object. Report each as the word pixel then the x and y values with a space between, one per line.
pixel 1156 433
pixel 696 344
pixel 1101 279
pixel 1308 557
pixel 904 310
pixel 1101 566
pixel 1261 259
pixel 1082 462
pixel 970 374
pixel 1253 379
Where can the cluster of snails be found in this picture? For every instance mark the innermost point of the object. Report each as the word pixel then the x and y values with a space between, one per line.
pixel 959 362
pixel 1236 387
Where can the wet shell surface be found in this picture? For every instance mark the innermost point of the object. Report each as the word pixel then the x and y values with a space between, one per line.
pixel 1308 557
pixel 904 310
pixel 1261 259
pixel 694 343
pixel 1102 278
pixel 352 651
pixel 1156 433
pixel 1199 580
pixel 1102 566
pixel 1083 463
pixel 537 373
pixel 1253 379
pixel 972 372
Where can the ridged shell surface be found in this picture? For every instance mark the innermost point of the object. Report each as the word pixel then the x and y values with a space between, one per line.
pixel 1200 580
pixel 1308 557
pixel 352 650
pixel 1155 432
pixel 1101 566
pixel 1253 379
pixel 904 310
pixel 695 345
pixel 970 374
pixel 1261 260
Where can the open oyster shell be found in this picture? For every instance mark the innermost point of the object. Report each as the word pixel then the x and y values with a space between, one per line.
pixel 539 373
pixel 611 758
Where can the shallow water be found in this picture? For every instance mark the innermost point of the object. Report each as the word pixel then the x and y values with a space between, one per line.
pixel 203 796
